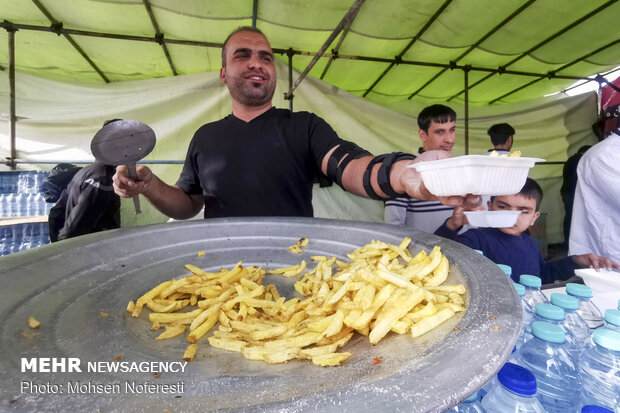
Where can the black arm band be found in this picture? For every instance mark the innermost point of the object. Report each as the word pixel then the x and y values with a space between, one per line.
pixel 340 158
pixel 367 174
pixel 383 176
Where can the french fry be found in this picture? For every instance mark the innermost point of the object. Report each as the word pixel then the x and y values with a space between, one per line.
pixel 190 352
pixel 428 323
pixel 332 359
pixel 399 308
pixel 148 297
pixel 172 330
pixel 33 323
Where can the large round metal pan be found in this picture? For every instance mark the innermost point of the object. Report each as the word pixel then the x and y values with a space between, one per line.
pixel 71 285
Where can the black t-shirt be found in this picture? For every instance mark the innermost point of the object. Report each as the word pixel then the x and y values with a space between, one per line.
pixel 265 167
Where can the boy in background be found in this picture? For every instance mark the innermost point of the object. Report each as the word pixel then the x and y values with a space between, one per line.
pixel 513 246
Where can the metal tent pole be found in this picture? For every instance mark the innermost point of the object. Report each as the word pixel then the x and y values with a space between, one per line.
pixel 290 78
pixel 12 117
pixel 343 23
pixel 466 76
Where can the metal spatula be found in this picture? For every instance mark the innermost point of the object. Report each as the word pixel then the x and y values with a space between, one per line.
pixel 124 142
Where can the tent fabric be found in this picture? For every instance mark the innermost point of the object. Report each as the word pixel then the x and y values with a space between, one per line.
pixel 57 121
pixel 569 37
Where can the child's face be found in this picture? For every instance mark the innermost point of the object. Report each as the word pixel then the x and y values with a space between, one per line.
pixel 517 202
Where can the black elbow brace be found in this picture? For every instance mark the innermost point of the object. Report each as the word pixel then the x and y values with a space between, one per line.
pixel 383 175
pixel 340 158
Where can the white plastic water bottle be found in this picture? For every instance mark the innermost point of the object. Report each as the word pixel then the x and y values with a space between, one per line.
pixel 599 367
pixel 554 315
pixel 11 207
pixel 514 391
pixel 527 313
pixel 4 206
pixel 506 268
pixel 612 320
pixel 39 204
pixel 555 368
pixel 21 204
pixel 590 408
pixel 470 405
pixel 532 286
pixel 489 384
pixel 573 320
pixel 587 309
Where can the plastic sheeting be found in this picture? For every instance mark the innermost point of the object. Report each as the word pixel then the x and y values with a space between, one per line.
pixel 56 122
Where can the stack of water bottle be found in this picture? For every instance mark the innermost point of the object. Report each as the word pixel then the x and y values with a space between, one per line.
pixel 567 357
pixel 20 197
pixel 19 194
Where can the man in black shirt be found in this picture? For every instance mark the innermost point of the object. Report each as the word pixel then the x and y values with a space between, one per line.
pixel 262 161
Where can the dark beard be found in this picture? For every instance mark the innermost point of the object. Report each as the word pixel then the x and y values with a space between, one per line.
pixel 255 94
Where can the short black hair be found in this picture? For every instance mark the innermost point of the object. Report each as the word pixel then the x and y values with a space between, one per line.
pixel 237 30
pixel 530 190
pixel 435 113
pixel 500 132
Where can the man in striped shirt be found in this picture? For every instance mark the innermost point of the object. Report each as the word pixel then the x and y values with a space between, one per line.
pixel 437 126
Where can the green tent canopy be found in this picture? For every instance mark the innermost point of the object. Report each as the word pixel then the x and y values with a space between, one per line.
pixel 512 50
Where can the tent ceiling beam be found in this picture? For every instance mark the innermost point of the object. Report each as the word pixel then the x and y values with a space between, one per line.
pixel 476 44
pixel 600 49
pixel 337 48
pixel 346 21
pixel 409 45
pixel 57 28
pixel 544 42
pixel 159 35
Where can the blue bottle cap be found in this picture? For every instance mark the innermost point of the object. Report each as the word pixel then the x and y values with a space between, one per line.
pixel 517 379
pixel 550 311
pixel 520 289
pixel 613 317
pixel 607 338
pixel 579 290
pixel 565 301
pixel 479 252
pixel 506 268
pixel 590 408
pixel 530 280
pixel 472 398
pixel 548 332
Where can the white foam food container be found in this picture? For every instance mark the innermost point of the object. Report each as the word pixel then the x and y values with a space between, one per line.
pixel 475 174
pixel 601 280
pixel 494 219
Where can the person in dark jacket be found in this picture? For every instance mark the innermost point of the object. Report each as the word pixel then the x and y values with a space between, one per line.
pixel 87 205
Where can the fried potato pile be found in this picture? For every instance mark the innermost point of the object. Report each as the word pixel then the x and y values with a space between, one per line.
pixel 382 289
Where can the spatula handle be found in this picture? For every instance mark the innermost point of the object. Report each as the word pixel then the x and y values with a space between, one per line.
pixel 131 172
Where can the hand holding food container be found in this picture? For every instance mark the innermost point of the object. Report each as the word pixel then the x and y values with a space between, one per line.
pixel 416 186
pixel 479 175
